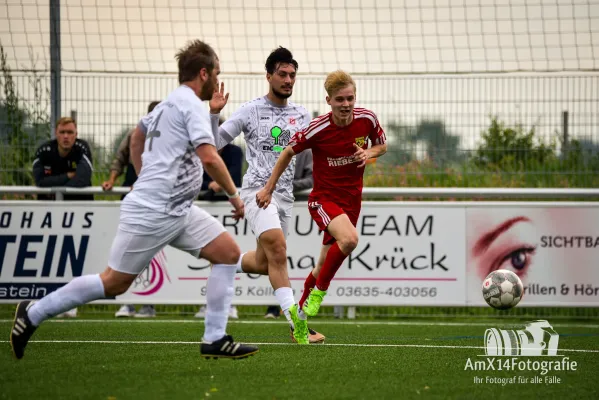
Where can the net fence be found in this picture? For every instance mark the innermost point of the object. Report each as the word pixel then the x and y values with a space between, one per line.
pixel 361 36
pixel 435 72
pixel 436 126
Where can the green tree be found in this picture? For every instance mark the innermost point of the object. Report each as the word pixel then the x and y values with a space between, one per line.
pixel 513 149
pixel 23 126
pixel 441 146
pixel 400 144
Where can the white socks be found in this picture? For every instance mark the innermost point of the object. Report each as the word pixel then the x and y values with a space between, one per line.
pixel 238 269
pixel 302 315
pixel 219 295
pixel 285 298
pixel 80 290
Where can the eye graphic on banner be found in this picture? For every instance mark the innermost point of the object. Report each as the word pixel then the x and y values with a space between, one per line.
pixel 505 244
pixel 152 278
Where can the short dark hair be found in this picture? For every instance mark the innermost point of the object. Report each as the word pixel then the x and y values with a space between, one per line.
pixel 193 57
pixel 152 106
pixel 278 56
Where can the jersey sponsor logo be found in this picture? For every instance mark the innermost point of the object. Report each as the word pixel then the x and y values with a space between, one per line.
pixel 360 141
pixel 280 138
pixel 291 121
pixel 73 165
pixel 263 118
pixel 340 161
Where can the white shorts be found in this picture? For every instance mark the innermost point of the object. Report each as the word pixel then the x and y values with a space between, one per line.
pixel 136 243
pixel 276 216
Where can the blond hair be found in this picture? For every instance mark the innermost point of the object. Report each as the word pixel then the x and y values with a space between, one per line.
pixel 66 120
pixel 338 80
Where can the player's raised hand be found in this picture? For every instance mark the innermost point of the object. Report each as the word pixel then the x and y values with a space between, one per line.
pixel 263 198
pixel 360 156
pixel 219 99
pixel 239 208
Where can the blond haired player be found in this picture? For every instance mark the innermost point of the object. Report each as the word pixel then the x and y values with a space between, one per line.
pixel 340 148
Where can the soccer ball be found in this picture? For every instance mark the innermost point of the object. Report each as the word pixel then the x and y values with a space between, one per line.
pixel 502 289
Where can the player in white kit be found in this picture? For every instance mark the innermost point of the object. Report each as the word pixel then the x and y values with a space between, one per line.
pixel 177 142
pixel 268 123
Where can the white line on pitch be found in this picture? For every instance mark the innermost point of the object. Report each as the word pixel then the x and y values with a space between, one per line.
pixel 316 321
pixel 421 346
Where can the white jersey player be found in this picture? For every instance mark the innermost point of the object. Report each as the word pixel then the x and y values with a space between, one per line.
pixel 268 123
pixel 177 142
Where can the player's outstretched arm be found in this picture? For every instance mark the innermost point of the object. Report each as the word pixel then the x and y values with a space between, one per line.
pixel 377 150
pixel 264 195
pixel 217 169
pixel 137 148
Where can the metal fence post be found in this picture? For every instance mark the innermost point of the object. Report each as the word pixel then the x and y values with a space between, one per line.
pixel 55 64
pixel 565 132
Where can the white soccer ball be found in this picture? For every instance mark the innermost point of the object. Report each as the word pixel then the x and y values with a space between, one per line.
pixel 502 289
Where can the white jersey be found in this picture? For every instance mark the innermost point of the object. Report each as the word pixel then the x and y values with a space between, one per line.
pixel 267 129
pixel 171 173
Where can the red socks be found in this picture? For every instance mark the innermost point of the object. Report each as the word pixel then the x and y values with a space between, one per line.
pixel 332 263
pixel 308 285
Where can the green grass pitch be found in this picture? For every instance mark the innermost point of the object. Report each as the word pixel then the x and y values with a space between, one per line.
pixel 113 359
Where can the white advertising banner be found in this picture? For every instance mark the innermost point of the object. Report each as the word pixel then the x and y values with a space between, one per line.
pixel 405 255
pixel 426 253
pixel 554 249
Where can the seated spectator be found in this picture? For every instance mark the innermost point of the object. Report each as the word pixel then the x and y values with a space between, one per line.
pixel 64 161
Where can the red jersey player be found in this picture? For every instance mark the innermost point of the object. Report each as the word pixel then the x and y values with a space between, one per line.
pixel 339 143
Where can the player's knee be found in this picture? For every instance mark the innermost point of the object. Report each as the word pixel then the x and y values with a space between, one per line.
pixel 275 247
pixel 233 255
pixel 277 253
pixel 115 288
pixel 348 243
pixel 115 283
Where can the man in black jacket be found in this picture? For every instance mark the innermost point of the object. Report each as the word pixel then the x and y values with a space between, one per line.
pixel 64 161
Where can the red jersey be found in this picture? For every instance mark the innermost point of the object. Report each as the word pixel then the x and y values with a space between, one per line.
pixel 336 176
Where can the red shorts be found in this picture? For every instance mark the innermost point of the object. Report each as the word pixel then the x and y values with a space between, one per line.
pixel 323 212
